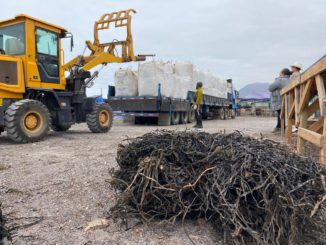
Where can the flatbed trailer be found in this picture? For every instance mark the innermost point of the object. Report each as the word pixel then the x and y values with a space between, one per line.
pixel 168 110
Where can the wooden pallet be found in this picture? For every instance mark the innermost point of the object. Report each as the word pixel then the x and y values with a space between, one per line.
pixel 301 99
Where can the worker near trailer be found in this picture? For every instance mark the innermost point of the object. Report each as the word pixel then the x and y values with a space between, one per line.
pixel 198 105
pixel 275 89
pixel 296 68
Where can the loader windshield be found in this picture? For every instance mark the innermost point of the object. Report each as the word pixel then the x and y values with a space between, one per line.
pixel 12 39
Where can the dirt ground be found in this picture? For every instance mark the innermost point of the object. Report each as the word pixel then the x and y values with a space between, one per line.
pixel 50 190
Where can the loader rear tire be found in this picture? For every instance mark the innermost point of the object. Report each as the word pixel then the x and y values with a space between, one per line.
pixel 27 121
pixel 100 119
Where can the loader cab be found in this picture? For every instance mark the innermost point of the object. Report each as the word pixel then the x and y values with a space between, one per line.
pixel 30 55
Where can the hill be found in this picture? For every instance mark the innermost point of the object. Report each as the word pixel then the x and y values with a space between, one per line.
pixel 255 91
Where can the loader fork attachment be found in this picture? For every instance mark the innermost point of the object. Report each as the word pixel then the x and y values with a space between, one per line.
pixel 111 21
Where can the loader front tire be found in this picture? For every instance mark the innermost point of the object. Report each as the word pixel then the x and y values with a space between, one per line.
pixel 100 119
pixel 27 121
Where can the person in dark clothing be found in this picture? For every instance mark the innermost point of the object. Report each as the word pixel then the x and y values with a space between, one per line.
pixel 199 103
pixel 275 89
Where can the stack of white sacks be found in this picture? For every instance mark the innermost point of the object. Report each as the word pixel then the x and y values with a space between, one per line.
pixel 176 80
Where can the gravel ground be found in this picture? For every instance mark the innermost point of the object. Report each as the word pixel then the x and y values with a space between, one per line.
pixel 50 190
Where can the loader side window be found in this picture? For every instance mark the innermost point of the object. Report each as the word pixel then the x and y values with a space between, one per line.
pixel 47 53
pixel 12 39
pixel 46 42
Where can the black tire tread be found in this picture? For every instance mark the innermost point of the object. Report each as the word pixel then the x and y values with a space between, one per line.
pixel 12 121
pixel 93 121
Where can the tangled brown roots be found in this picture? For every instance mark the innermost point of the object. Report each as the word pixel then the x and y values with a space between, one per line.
pixel 257 190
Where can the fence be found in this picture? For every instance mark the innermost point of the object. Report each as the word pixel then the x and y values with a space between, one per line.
pixel 301 100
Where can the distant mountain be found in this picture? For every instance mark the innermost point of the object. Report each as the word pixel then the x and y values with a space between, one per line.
pixel 255 91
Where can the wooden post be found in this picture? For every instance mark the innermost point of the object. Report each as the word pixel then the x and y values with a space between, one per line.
pixel 283 116
pixel 291 107
pixel 323 149
pixel 321 91
pixel 296 107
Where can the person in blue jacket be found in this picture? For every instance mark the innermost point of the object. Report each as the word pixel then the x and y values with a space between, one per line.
pixel 275 89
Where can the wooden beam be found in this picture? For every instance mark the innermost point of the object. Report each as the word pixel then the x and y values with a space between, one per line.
pixel 312 71
pixel 283 107
pixel 292 111
pixel 317 125
pixel 296 105
pixel 289 131
pixel 314 138
pixel 303 124
pixel 321 91
pixel 282 115
pixel 305 96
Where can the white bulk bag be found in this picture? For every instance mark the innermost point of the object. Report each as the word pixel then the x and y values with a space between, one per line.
pixel 153 73
pixel 126 83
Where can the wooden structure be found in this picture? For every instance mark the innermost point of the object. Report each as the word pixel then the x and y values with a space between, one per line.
pixel 301 100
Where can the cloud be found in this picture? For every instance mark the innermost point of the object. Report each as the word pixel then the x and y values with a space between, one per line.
pixel 249 41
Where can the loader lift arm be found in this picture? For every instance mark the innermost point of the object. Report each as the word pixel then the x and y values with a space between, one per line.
pixel 103 53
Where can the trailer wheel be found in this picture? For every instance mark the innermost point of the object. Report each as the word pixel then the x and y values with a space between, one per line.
pixel 222 113
pixel 184 117
pixel 164 119
pixel 100 119
pixel 232 113
pixel 175 118
pixel 191 116
pixel 27 121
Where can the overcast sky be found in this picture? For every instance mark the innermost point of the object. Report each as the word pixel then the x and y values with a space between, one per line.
pixel 247 40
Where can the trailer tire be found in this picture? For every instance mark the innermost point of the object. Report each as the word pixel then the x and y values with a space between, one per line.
pixel 184 117
pixel 27 121
pixel 175 118
pixel 191 116
pixel 222 113
pixel 164 119
pixel 233 114
pixel 100 119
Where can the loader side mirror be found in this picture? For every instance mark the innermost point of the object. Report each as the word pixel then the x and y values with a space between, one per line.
pixel 69 35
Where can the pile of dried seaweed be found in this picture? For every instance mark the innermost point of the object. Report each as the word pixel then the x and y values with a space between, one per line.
pixel 3 232
pixel 255 190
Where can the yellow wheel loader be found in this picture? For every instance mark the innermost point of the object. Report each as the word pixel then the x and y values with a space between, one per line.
pixel 36 94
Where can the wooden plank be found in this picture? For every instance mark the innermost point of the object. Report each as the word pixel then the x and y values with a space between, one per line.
pixel 296 105
pixel 292 111
pixel 317 125
pixel 282 115
pixel 289 131
pixel 314 138
pixel 303 124
pixel 305 96
pixel 312 71
pixel 321 92
pixel 323 149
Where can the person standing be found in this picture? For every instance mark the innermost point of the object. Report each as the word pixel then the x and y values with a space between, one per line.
pixel 296 69
pixel 275 89
pixel 199 103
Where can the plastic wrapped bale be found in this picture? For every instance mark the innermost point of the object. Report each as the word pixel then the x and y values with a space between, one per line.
pixel 153 73
pixel 184 76
pixel 126 83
